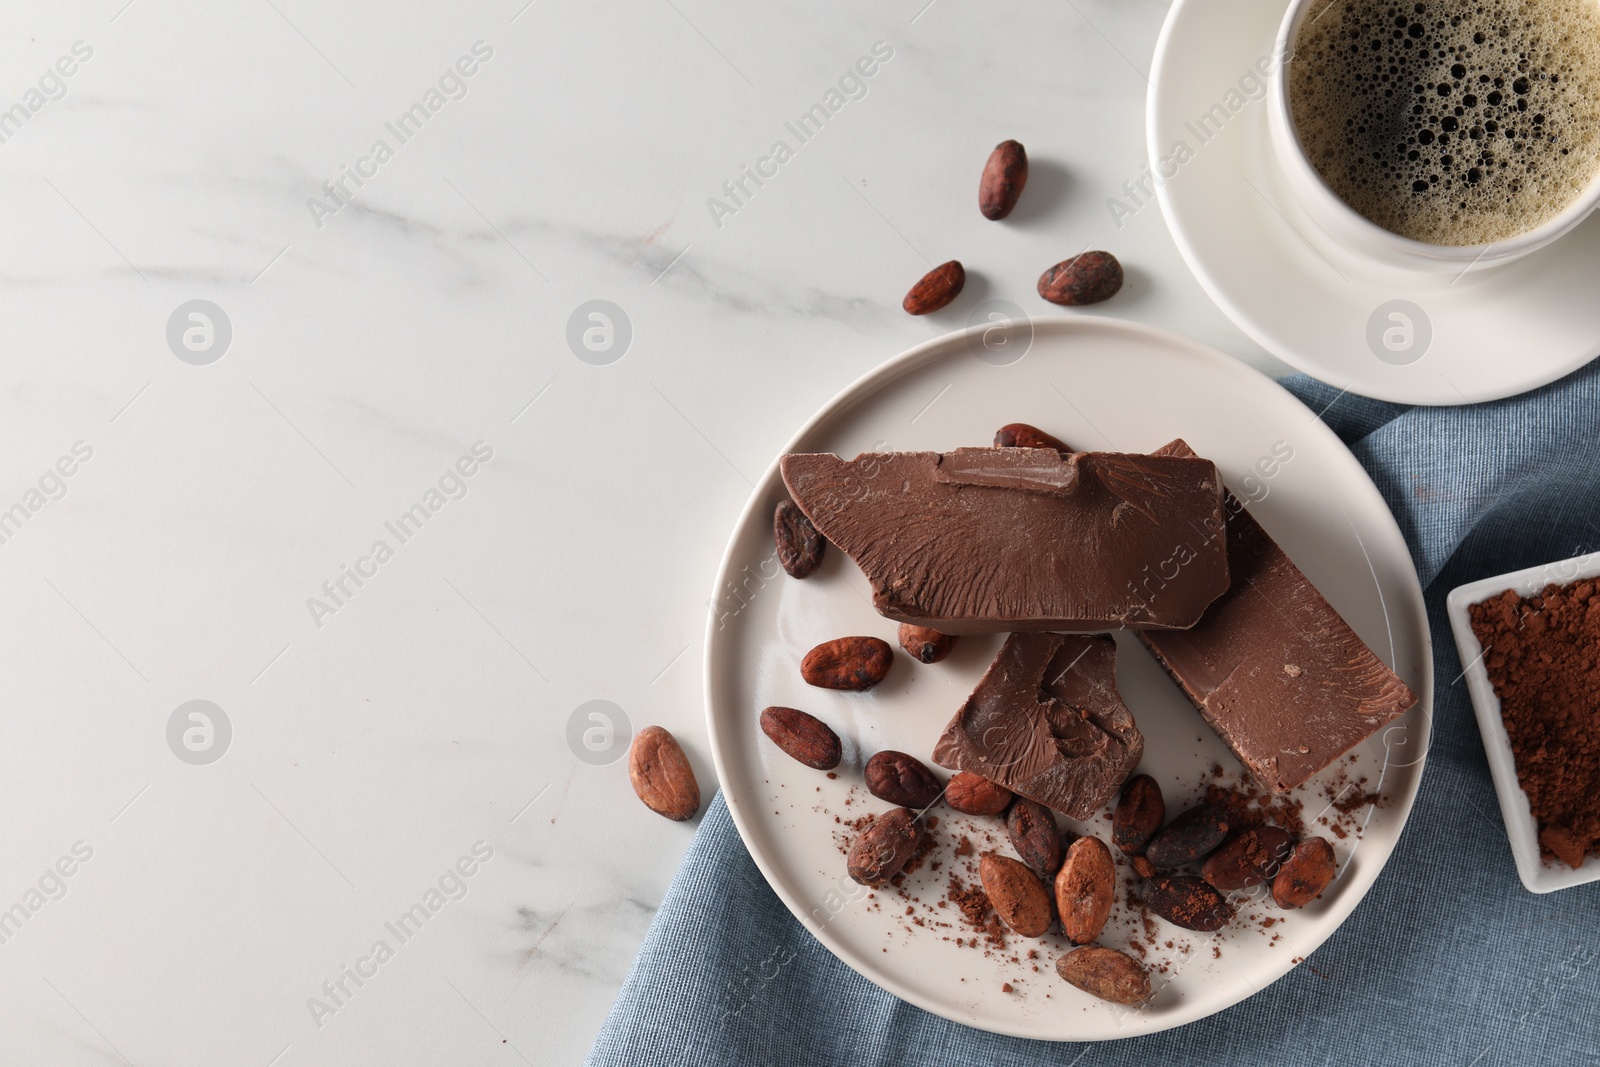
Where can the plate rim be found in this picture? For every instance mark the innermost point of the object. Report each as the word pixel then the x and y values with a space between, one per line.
pixel 878 378
pixel 1247 324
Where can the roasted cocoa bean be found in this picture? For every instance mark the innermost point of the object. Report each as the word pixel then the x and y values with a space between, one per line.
pixel 1033 832
pixel 884 847
pixel 805 737
pixel 1187 901
pixel 1305 874
pixel 852 663
pixel 1019 898
pixel 902 779
pixel 1021 435
pixel 1004 176
pixel 800 546
pixel 1189 838
pixel 1106 973
pixel 661 775
pixel 1085 888
pixel 1084 279
pixel 936 289
pixel 1138 814
pixel 926 645
pixel 1248 859
pixel 974 795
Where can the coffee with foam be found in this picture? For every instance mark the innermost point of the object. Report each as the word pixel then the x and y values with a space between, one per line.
pixel 1452 122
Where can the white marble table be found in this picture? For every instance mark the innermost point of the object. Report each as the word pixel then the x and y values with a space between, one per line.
pixel 192 496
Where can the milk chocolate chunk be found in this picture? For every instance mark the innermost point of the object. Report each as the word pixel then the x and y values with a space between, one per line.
pixel 1047 723
pixel 1273 667
pixel 997 540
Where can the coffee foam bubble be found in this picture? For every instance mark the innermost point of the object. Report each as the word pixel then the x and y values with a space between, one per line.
pixel 1454 122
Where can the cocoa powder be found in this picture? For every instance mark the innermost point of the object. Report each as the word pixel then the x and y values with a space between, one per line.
pixel 978 913
pixel 1542 654
pixel 1248 806
pixel 972 901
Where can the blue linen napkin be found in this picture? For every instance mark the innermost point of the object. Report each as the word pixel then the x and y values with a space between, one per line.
pixel 1447 961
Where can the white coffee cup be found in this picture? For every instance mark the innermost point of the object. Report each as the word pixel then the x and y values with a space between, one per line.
pixel 1352 231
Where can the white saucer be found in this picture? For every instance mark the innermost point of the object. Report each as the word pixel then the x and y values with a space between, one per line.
pixel 1486 334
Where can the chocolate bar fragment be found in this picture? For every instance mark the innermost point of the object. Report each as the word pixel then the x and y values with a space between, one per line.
pixel 1272 666
pixel 1046 722
pixel 996 540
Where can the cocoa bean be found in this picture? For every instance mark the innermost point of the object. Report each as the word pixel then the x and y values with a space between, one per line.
pixel 1305 874
pixel 1085 888
pixel 1004 176
pixel 852 663
pixel 805 737
pixel 973 795
pixel 1249 859
pixel 1084 279
pixel 884 847
pixel 1106 973
pixel 1138 814
pixel 1019 898
pixel 1189 838
pixel 800 546
pixel 901 779
pixel 936 289
pixel 1186 901
pixel 926 645
pixel 1021 435
pixel 661 774
pixel 1032 829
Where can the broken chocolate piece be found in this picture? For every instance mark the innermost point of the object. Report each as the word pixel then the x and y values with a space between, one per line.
pixel 994 540
pixel 1047 723
pixel 1273 667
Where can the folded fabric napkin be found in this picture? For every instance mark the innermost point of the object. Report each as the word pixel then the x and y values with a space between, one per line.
pixel 1449 960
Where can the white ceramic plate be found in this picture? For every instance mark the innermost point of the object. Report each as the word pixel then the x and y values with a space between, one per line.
pixel 1521 828
pixel 1098 383
pixel 1487 334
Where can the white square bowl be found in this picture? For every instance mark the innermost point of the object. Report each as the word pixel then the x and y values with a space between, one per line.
pixel 1521 827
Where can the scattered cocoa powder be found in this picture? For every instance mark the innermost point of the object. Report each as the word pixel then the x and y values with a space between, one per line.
pixel 1542 654
pixel 972 901
pixel 850 829
pixel 1248 806
pixel 924 846
pixel 1353 800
